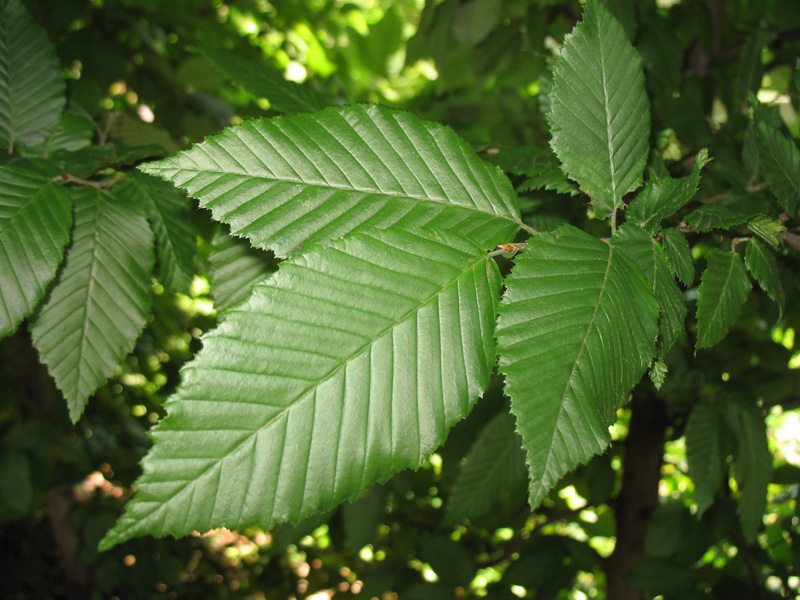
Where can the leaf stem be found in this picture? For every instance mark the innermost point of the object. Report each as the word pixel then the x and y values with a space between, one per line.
pixel 528 228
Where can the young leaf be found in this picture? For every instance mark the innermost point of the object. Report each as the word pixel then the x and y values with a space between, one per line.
pixel 31 83
pixel 35 220
pixel 495 466
pixel 349 364
pixel 724 287
pixel 101 298
pixel 753 470
pixel 679 254
pixel 762 265
pixel 704 453
pixel 287 183
pixel 168 213
pixel 263 81
pixel 779 160
pixel 650 258
pixel 235 268
pixel 599 115
pixel 576 331
pixel 663 197
pixel 767 229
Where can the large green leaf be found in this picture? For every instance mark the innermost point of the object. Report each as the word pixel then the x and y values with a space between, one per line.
pixel 651 259
pixel 753 469
pixel 349 364
pixel 31 83
pixel 663 197
pixel 263 81
pixel 577 330
pixel 780 161
pixel 599 115
pixel 235 268
pixel 724 287
pixel 286 183
pixel 495 466
pixel 35 220
pixel 704 453
pixel 101 298
pixel 168 212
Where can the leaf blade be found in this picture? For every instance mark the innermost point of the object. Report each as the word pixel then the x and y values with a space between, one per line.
pixel 723 290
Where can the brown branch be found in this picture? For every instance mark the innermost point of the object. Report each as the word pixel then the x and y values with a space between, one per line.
pixel 100 185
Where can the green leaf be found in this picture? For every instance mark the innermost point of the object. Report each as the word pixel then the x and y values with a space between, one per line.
pixel 650 258
pixel 495 466
pixel 263 81
pixel 35 220
pixel 764 267
pixel 101 298
pixel 132 132
pixel 779 160
pixel 724 287
pixel 31 84
pixel 540 165
pixel 348 365
pixel 168 213
pixel 362 517
pixel 750 71
pixel 576 331
pixel 287 183
pixel 704 453
pixel 679 254
pixel 658 373
pixel 753 470
pixel 767 229
pixel 599 115
pixel 664 197
pixel 235 268
pixel 714 216
pixel 72 133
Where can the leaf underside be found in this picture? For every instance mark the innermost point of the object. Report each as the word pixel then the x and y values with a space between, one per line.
pixel 577 330
pixel 724 287
pixel 287 183
pixel 101 299
pixel 753 470
pixel 599 115
pixel 35 220
pixel 31 83
pixel 704 453
pixel 235 268
pixel 349 364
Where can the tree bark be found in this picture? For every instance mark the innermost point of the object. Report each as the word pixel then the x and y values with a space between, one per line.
pixel 638 497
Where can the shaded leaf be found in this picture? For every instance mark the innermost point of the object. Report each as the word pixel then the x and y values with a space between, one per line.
pixel 763 266
pixel 724 287
pixel 714 216
pixel 348 365
pixel 31 83
pixel 287 183
pixel 767 229
pixel 704 453
pixel 263 81
pixel 101 298
pixel 679 254
pixel 495 466
pixel 576 331
pixel 235 268
pixel 599 113
pixel 780 162
pixel 132 132
pixel 753 470
pixel 450 560
pixel 362 517
pixel 35 221
pixel 540 165
pixel 664 197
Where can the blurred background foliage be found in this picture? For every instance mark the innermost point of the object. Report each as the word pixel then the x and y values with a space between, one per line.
pixel 142 72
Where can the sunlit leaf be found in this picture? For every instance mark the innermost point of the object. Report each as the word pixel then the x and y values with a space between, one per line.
pixel 576 331
pixel 724 287
pixel 349 364
pixel 235 268
pixel 767 229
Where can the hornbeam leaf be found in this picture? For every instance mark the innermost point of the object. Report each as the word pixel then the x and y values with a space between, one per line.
pixel 762 265
pixel 351 363
pixel 663 197
pixel 495 466
pixel 599 115
pixel 724 287
pixel 779 158
pixel 576 331
pixel 288 182
pixel 704 453
pixel 753 469
pixel 679 254
pixel 168 212
pixel 714 216
pixel 35 220
pixel 101 298
pixel 235 269
pixel 31 83
pixel 263 81
pixel 651 259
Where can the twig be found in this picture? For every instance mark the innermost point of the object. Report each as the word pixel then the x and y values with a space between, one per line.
pixel 100 185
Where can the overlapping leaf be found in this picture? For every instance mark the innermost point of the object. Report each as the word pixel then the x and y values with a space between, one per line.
pixel 763 266
pixel 349 364
pixel 101 298
pixel 577 330
pixel 679 254
pixel 753 469
pixel 31 83
pixel 723 290
pixel 35 220
pixel 168 212
pixel 286 183
pixel 263 81
pixel 599 114
pixel 235 269
pixel 780 159
pixel 704 453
